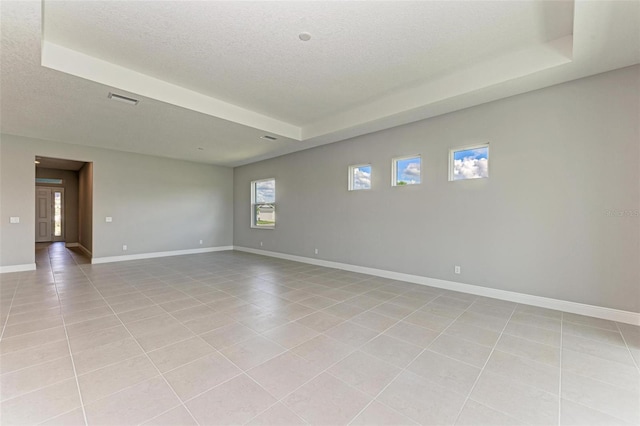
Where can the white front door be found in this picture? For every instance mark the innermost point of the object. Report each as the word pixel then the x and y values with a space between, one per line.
pixel 49 214
pixel 43 215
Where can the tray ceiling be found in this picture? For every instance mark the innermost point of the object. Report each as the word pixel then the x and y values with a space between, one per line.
pixel 212 77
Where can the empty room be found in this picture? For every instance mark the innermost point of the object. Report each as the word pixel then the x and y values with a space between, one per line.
pixel 319 213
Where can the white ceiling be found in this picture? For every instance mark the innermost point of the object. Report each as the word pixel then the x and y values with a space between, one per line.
pixel 249 53
pixel 218 75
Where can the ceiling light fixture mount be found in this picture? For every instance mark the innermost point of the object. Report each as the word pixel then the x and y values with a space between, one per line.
pixel 124 99
pixel 304 36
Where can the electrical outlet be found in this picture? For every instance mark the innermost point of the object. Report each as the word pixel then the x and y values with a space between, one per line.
pixel 200 242
pixel 315 251
pixel 124 247
pixel 456 269
pixel 14 219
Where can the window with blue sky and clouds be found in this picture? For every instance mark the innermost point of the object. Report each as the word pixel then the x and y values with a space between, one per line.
pixel 265 191
pixel 470 163
pixel 407 171
pixel 360 177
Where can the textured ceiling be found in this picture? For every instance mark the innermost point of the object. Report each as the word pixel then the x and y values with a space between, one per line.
pixel 218 75
pixel 249 53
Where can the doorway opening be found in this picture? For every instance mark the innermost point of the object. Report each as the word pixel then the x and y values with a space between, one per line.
pixel 64 203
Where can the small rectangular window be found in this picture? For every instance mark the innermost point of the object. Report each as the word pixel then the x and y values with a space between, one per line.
pixel 263 203
pixel 406 171
pixel 57 213
pixel 359 177
pixel 471 162
pixel 49 181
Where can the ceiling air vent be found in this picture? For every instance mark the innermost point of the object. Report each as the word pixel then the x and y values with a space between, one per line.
pixel 121 98
pixel 269 138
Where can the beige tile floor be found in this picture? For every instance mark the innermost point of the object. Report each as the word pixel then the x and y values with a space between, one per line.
pixel 233 338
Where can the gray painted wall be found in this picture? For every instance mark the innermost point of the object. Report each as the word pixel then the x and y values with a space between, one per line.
pixel 157 204
pixel 70 185
pixel 85 206
pixel 561 157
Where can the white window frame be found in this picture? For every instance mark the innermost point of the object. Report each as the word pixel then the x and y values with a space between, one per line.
pixel 351 179
pixel 465 148
pixel 394 169
pixel 254 224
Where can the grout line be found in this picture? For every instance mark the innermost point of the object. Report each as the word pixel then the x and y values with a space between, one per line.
pixel 597 410
pixel 73 365
pixel 145 354
pixel 599 341
pixel 57 415
pixel 261 334
pixel 628 348
pixel 161 414
pixel 519 381
pixel 527 339
pixel 560 371
pixel 426 348
pixel 40 388
pixel 6 321
pixel 33 332
pixel 602 357
pixel 38 363
pixel 582 324
pixel 484 366
pixel 352 351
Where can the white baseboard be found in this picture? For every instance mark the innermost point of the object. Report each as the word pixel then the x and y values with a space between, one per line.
pixel 79 246
pixel 18 268
pixel 85 250
pixel 626 317
pixel 109 259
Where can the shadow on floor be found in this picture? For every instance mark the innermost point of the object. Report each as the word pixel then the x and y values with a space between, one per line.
pixel 53 255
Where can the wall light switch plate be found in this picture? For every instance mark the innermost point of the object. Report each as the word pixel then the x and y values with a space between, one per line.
pixel 108 219
pixel 14 219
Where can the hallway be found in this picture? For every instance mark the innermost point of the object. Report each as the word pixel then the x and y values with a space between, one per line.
pixel 55 256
